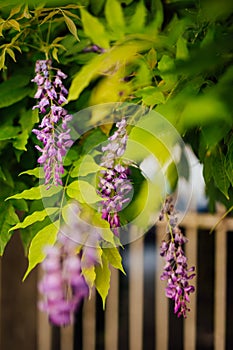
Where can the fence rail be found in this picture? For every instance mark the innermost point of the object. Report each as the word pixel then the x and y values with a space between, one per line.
pixel 138 315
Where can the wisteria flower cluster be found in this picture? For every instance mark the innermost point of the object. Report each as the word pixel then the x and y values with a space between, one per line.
pixel 53 130
pixel 114 184
pixel 63 286
pixel 176 271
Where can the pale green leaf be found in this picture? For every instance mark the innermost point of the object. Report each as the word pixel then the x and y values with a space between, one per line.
pixel 46 236
pixel 71 26
pixel 103 229
pixel 86 165
pixel 115 17
pixel 83 192
pixel 94 29
pixel 36 216
pixel 102 281
pixel 114 258
pixel 37 193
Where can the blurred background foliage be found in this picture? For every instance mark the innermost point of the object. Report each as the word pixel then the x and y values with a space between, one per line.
pixel 173 56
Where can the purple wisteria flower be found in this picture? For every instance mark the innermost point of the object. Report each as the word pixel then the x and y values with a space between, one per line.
pixel 63 285
pixel 53 131
pixel 114 185
pixel 176 271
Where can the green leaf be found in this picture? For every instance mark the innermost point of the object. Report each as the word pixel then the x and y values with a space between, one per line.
pixel 151 58
pixel 182 52
pixel 103 62
pixel 7 219
pixel 219 173
pixel 13 90
pixel 102 281
pixel 94 29
pixel 36 216
pixel 114 258
pixel 115 17
pixel 37 172
pixel 37 192
pixel 166 67
pixel 137 20
pixel 8 132
pixel 229 164
pixel 104 229
pixel 11 54
pixel 21 141
pixel 14 24
pixel 85 166
pixel 83 192
pixel 46 236
pixel 71 26
pixel 89 275
pixel 151 95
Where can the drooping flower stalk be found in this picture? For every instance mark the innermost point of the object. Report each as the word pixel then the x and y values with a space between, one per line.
pixel 114 185
pixel 63 286
pixel 176 271
pixel 53 130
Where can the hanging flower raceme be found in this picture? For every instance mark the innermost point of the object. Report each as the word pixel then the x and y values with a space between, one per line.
pixel 176 271
pixel 114 185
pixel 63 286
pixel 53 131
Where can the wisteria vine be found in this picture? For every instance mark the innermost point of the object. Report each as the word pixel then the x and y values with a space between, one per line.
pixel 63 284
pixel 53 130
pixel 114 183
pixel 176 271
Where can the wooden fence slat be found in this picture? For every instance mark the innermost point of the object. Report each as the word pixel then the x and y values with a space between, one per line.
pixel 89 323
pixel 111 313
pixel 161 302
pixel 190 322
pixel 44 335
pixel 136 294
pixel 220 287
pixel 67 336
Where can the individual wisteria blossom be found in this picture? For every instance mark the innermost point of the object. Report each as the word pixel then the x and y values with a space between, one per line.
pixel 63 286
pixel 53 130
pixel 176 271
pixel 114 185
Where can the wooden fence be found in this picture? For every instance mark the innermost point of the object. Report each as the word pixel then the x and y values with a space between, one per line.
pixel 138 316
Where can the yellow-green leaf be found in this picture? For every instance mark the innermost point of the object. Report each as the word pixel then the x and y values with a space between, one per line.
pixel 71 26
pixel 83 192
pixel 36 216
pixel 115 17
pixel 14 24
pixel 46 236
pixel 102 281
pixel 94 29
pixel 114 258
pixel 37 193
